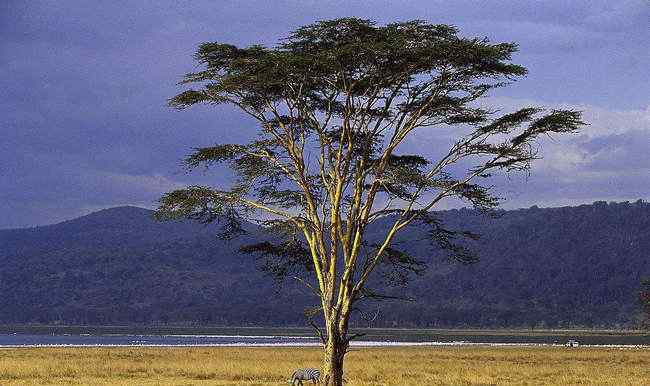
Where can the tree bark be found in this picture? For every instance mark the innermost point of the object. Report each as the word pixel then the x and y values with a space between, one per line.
pixel 335 350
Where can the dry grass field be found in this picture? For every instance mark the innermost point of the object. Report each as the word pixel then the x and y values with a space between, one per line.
pixel 365 366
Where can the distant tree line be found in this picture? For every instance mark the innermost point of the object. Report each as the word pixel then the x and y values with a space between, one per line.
pixel 540 267
pixel 644 298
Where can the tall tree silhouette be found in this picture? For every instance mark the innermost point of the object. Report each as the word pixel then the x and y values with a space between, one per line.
pixel 334 103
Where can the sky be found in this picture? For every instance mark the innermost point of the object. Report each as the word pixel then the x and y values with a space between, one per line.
pixel 84 123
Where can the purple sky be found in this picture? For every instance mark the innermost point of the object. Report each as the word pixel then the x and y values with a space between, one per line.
pixel 85 125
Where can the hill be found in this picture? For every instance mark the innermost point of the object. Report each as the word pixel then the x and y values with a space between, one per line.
pixel 551 267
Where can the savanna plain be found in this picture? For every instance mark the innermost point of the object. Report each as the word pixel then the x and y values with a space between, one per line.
pixel 458 365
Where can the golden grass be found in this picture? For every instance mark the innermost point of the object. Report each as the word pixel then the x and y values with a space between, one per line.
pixel 364 366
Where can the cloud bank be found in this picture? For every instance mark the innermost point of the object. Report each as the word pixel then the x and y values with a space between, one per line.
pixel 84 121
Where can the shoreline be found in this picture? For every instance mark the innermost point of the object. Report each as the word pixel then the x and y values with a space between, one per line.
pixel 311 345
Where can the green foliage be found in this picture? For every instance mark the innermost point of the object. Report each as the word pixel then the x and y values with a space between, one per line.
pixel 357 77
pixel 333 103
pixel 563 267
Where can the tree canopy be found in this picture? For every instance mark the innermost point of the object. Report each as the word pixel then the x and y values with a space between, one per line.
pixel 334 102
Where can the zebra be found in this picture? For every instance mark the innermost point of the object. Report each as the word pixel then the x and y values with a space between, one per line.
pixel 305 375
pixel 572 343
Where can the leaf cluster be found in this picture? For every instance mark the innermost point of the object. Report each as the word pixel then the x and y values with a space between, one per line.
pixel 334 102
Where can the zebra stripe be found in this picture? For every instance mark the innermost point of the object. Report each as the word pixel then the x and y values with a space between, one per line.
pixel 305 375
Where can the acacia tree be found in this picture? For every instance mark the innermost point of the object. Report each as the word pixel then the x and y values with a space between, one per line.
pixel 333 103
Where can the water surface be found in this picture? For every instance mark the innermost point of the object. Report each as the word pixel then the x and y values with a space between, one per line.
pixel 30 336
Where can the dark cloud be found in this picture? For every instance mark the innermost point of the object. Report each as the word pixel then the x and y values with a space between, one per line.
pixel 84 121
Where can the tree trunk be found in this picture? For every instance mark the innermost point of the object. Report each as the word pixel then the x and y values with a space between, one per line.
pixel 335 349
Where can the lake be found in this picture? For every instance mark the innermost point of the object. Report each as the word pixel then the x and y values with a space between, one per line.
pixel 30 336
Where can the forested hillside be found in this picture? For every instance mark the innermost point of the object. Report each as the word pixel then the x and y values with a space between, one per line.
pixel 554 267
